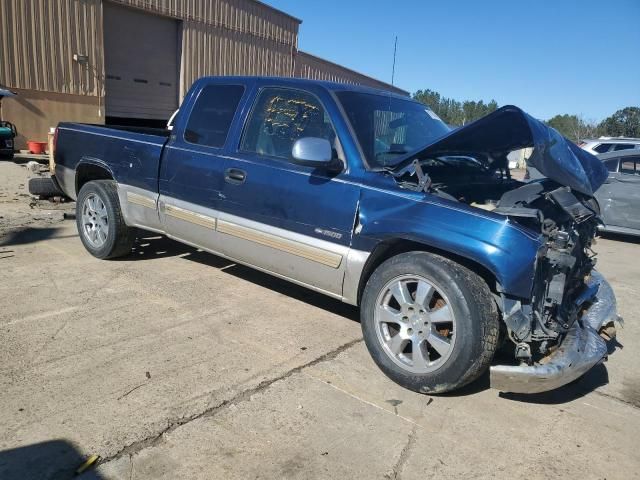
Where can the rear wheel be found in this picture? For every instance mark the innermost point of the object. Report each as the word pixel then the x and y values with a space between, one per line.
pixel 429 323
pixel 100 222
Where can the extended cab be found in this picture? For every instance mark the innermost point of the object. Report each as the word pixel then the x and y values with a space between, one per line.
pixel 368 197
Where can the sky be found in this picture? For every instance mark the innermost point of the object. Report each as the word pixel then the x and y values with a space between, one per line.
pixel 547 57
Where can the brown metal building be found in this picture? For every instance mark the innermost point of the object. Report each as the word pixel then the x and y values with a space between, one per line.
pixel 124 61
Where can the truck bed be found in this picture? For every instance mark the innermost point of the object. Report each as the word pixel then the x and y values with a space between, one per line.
pixel 131 154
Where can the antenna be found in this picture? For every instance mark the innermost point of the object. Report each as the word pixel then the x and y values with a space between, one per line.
pixel 393 69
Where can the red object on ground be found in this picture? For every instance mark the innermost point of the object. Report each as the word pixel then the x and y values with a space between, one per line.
pixel 36 147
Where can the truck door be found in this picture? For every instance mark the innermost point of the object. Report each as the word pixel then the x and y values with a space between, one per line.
pixel 292 220
pixel 192 169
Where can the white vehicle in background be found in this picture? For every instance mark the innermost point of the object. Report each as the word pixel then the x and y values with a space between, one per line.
pixel 609 144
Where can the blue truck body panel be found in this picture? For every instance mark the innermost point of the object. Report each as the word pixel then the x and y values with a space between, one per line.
pixel 295 198
pixel 503 248
pixel 132 158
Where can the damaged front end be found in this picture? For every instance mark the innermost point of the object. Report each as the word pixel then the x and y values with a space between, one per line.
pixel 557 333
pixel 575 352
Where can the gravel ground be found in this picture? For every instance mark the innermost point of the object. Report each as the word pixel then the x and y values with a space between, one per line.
pixel 173 363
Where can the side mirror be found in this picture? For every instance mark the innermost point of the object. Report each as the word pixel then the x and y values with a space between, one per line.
pixel 314 152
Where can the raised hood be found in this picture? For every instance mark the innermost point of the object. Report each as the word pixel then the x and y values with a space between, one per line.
pixel 509 128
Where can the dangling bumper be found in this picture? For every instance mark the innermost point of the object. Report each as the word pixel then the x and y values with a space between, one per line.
pixel 581 349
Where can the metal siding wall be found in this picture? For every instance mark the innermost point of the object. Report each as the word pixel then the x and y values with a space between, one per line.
pixel 251 17
pixel 208 50
pixel 220 37
pixel 310 66
pixel 38 39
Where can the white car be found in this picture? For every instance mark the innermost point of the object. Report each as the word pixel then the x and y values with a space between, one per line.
pixel 609 144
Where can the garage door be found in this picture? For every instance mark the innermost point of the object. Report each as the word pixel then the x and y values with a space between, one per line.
pixel 141 63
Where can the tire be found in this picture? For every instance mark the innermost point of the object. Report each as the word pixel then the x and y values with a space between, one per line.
pixel 451 353
pixel 44 187
pixel 100 222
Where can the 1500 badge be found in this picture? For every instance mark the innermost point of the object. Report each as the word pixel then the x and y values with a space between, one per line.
pixel 328 233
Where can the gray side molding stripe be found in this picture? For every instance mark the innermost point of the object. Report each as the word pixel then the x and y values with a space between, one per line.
pixel 189 216
pixel 140 200
pixel 279 243
pixel 323 252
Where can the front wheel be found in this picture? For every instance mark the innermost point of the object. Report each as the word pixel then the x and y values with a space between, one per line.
pixel 100 222
pixel 429 323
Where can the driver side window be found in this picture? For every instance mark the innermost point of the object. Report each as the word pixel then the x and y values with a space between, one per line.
pixel 282 116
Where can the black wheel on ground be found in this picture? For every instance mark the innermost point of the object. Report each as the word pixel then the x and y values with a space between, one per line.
pixel 429 323
pixel 6 156
pixel 44 187
pixel 100 222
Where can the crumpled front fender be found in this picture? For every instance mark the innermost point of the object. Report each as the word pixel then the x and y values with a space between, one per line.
pixel 507 250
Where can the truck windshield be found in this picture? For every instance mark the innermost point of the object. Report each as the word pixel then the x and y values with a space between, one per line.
pixel 388 127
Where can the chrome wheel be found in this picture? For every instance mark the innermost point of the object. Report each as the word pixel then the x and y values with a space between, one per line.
pixel 415 324
pixel 95 221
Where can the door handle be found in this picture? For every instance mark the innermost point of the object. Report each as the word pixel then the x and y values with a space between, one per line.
pixel 235 176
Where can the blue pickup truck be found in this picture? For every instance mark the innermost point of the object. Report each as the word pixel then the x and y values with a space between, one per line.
pixel 368 197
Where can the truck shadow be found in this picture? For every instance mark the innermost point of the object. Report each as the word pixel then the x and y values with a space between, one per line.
pixel 51 460
pixel 26 235
pixel 151 247
pixel 158 246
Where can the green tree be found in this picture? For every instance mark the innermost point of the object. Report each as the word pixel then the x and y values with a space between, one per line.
pixel 574 127
pixel 623 123
pixel 453 111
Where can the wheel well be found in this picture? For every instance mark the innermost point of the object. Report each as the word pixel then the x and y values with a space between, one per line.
pixel 87 172
pixel 391 248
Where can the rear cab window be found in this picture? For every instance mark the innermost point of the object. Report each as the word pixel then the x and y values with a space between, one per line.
pixel 212 115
